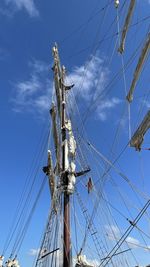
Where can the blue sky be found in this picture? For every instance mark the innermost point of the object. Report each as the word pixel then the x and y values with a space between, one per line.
pixel 28 30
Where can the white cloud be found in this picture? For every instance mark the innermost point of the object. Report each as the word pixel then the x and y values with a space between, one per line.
pixel 90 78
pixel 90 81
pixel 33 252
pixel 146 103
pixel 114 234
pixel 28 5
pixel 34 94
pixel 105 106
pixel 132 242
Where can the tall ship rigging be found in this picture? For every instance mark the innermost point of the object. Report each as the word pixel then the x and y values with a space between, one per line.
pixel 87 224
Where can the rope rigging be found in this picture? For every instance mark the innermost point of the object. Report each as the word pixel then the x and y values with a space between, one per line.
pixel 133 186
pixel 109 37
pixel 130 221
pixel 110 85
pixel 25 200
pixel 20 237
pixel 125 235
pixel 89 228
pixel 93 14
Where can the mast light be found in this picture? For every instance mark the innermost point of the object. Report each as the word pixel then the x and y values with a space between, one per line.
pixel 117 3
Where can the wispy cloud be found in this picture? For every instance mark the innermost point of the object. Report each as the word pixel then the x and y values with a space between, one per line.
pixel 132 242
pixel 90 80
pixel 16 5
pixel 146 103
pixel 33 252
pixel 34 93
pixel 106 106
pixel 3 54
pixel 114 234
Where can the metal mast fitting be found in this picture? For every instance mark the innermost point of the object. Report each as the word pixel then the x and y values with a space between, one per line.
pixel 139 66
pixel 126 25
pixel 117 3
pixel 138 137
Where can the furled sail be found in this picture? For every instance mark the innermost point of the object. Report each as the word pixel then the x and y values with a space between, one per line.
pixel 82 262
pixel 51 174
pixel 126 25
pixel 66 155
pixel 71 141
pixel 138 137
pixel 1 260
pixel 57 78
pixel 139 66
pixel 71 156
pixel 83 265
pixel 12 263
pixel 56 137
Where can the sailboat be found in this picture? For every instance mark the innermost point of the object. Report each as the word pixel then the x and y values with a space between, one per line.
pixel 84 227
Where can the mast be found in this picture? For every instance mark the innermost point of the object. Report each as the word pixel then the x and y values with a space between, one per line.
pixel 59 75
pixel 66 247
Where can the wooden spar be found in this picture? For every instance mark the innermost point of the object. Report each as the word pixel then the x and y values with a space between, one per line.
pixel 139 66
pixel 49 171
pixel 117 253
pixel 48 253
pixel 59 74
pixel 138 136
pixel 57 81
pixel 52 184
pixel 126 25
pixel 56 137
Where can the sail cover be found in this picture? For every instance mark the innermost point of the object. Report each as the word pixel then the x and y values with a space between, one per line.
pixel 1 260
pixel 138 137
pixel 57 78
pixel 51 175
pixel 71 157
pixel 126 26
pixel 139 66
pixel 56 136
pixel 82 262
